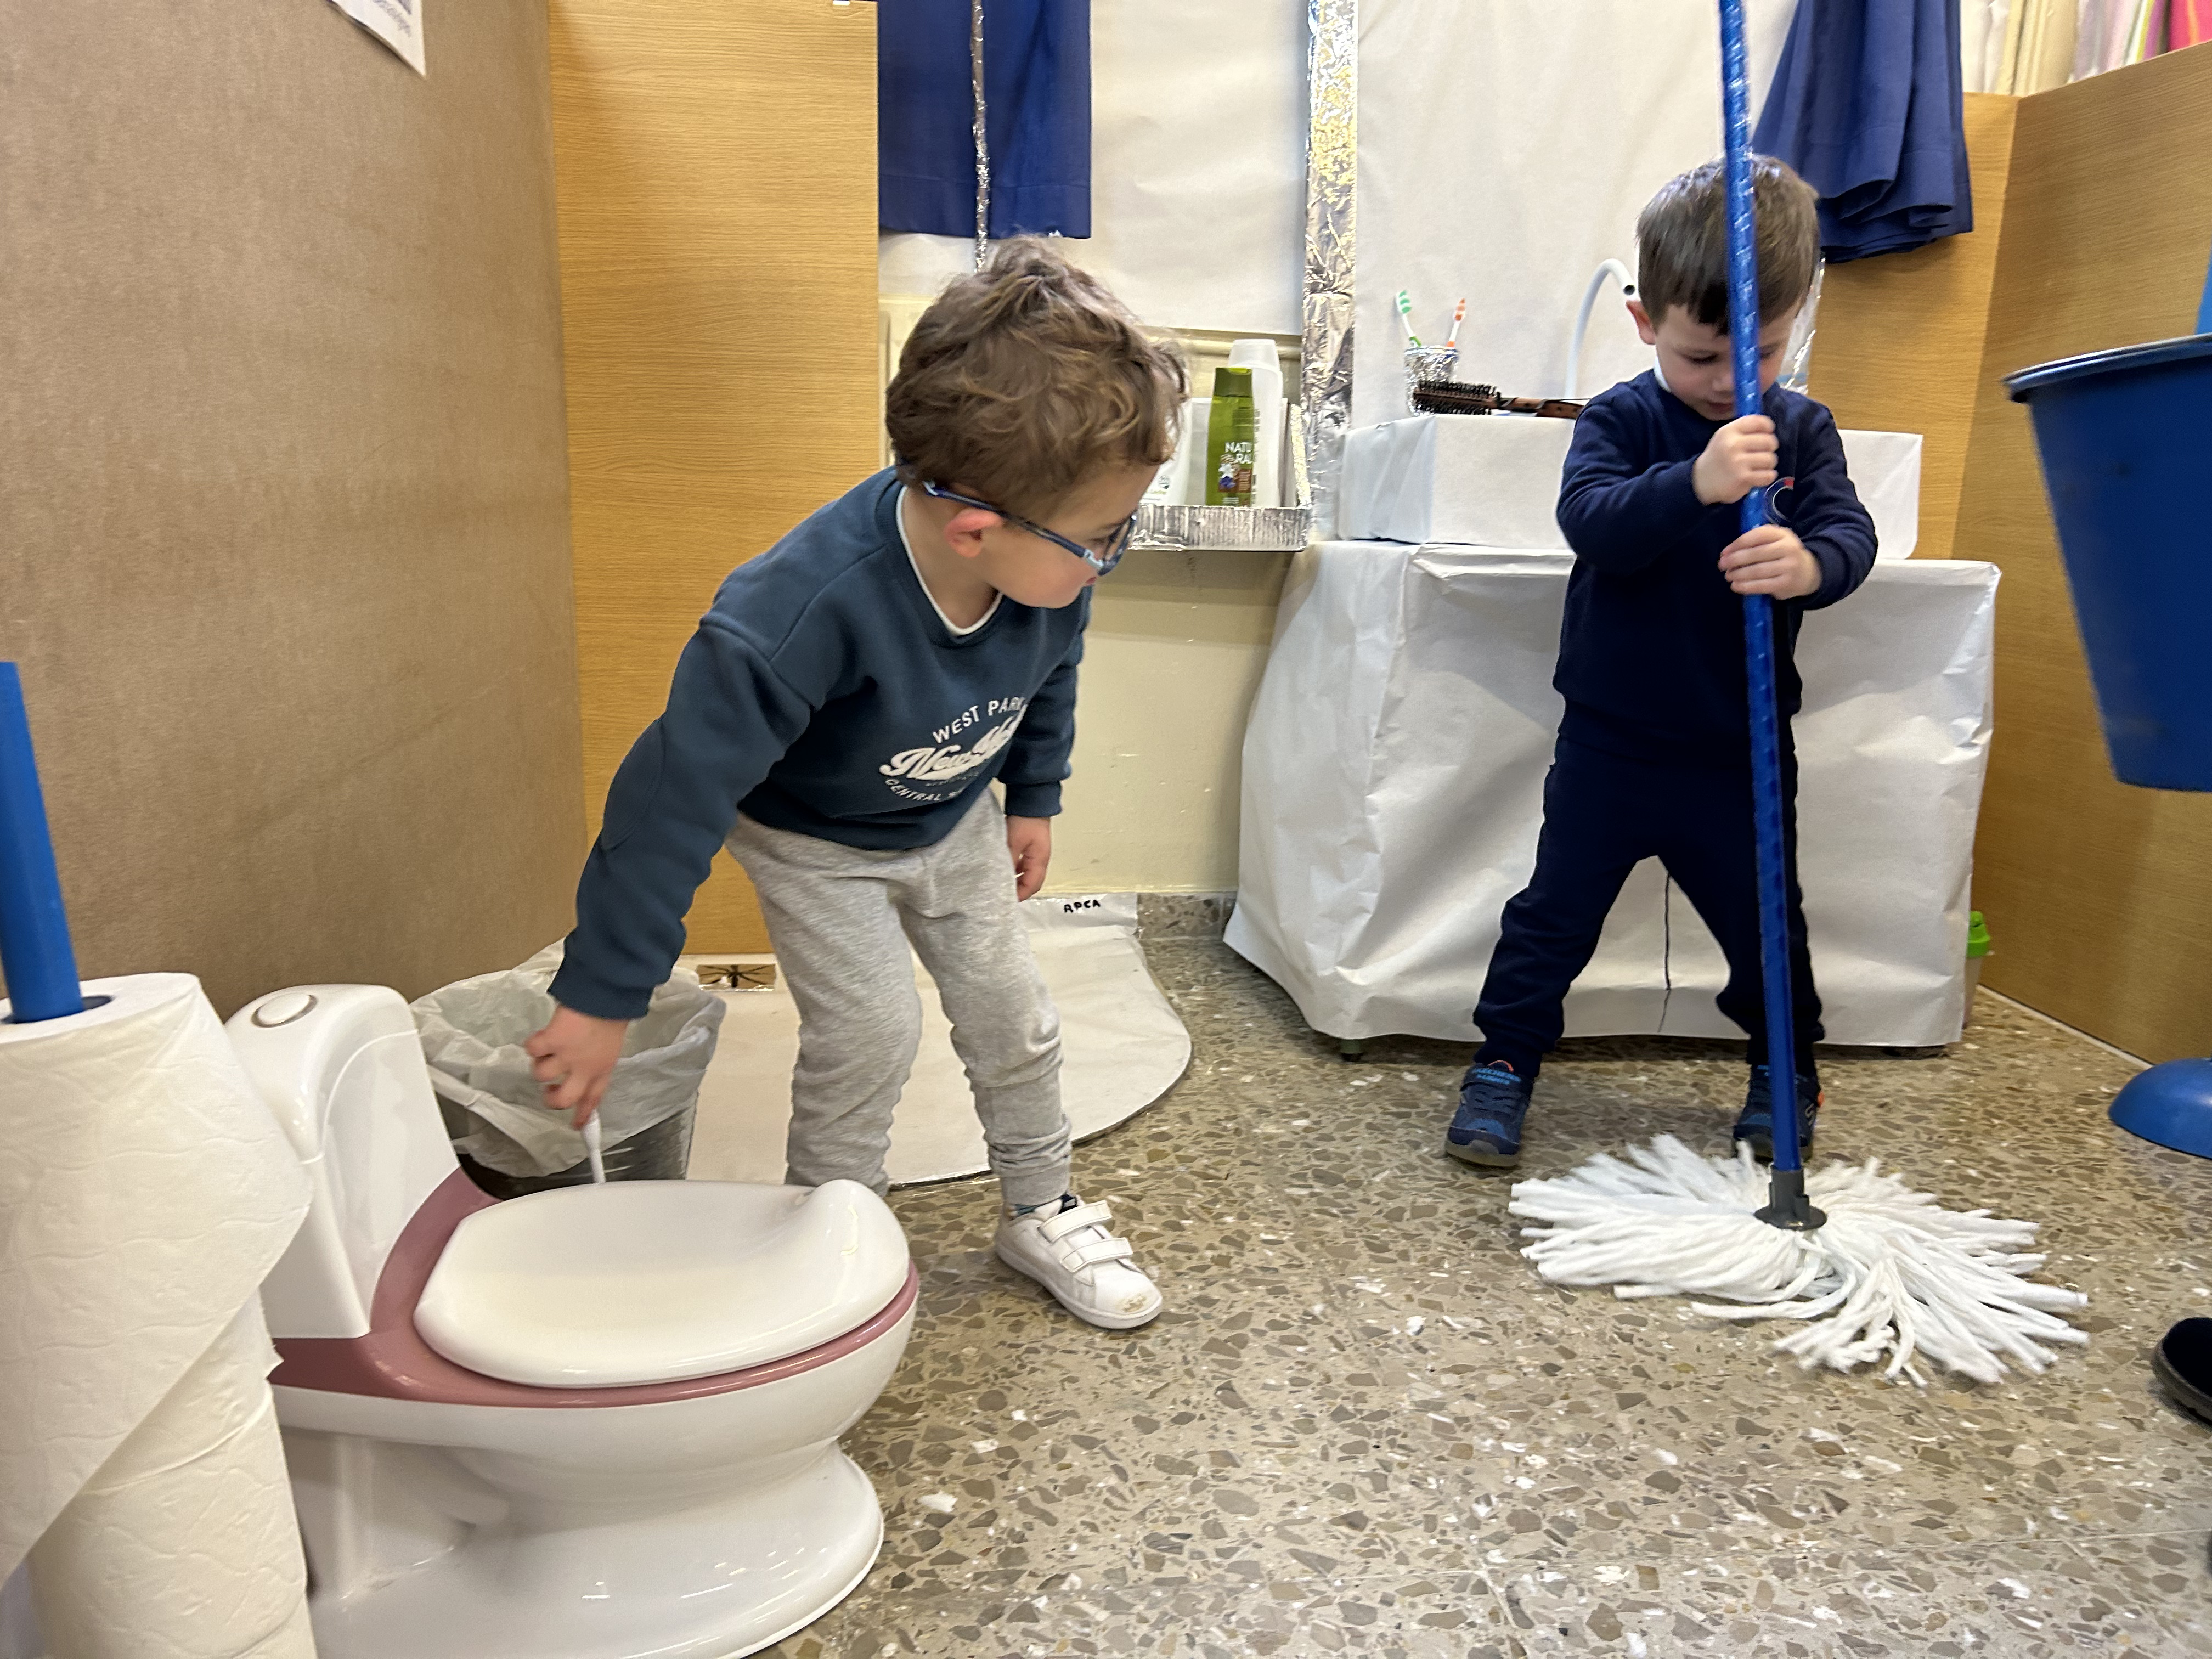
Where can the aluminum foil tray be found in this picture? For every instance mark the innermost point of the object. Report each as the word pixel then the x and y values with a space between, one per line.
pixel 1250 529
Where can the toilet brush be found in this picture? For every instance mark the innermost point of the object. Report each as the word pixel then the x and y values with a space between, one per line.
pixel 1874 1269
pixel 593 1150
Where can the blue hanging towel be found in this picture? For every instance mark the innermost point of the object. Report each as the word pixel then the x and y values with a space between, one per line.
pixel 1867 105
pixel 1036 88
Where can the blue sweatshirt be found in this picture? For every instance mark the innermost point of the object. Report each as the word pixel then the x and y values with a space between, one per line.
pixel 825 694
pixel 1651 647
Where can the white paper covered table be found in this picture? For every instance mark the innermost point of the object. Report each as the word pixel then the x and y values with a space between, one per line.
pixel 1493 480
pixel 1393 772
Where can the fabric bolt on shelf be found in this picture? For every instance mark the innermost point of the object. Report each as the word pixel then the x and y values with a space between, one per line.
pixel 1122 1047
pixel 1493 480
pixel 147 1190
pixel 1868 106
pixel 1394 770
pixel 1983 26
pixel 2039 47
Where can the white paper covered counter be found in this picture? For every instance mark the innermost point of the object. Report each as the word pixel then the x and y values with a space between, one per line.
pixel 1493 480
pixel 1394 775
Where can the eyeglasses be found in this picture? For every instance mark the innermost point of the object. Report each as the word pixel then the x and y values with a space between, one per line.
pixel 1101 560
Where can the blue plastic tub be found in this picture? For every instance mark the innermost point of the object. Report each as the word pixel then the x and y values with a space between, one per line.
pixel 2126 440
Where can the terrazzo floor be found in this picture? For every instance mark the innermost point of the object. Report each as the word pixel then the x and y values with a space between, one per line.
pixel 1364 1427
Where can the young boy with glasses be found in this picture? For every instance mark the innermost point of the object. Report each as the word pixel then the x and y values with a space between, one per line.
pixel 837 722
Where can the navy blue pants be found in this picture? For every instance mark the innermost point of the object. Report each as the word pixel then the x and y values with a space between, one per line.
pixel 1604 814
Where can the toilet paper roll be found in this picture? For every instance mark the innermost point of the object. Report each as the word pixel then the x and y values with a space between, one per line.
pixel 184 1545
pixel 147 1190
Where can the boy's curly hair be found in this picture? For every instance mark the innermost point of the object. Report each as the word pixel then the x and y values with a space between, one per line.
pixel 1681 242
pixel 1026 378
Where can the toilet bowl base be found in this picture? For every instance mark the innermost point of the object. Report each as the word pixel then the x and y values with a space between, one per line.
pixel 709 1581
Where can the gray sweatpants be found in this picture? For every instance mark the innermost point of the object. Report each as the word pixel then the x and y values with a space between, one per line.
pixel 840 919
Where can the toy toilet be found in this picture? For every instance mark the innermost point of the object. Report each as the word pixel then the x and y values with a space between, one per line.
pixel 596 1422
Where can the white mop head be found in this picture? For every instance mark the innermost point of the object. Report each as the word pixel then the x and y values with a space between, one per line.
pixel 1890 1273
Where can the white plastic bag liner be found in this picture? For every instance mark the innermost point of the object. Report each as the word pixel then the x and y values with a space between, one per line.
pixel 1122 1047
pixel 1394 772
pixel 1493 480
pixel 472 1033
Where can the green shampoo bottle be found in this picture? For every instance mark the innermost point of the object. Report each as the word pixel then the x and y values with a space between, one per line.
pixel 1230 429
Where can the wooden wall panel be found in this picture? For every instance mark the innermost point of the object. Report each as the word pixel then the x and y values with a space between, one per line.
pixel 1900 338
pixel 2099 895
pixel 717 179
pixel 283 518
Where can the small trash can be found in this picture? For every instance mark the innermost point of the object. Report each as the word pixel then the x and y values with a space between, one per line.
pixel 2124 437
pixel 1978 950
pixel 472 1032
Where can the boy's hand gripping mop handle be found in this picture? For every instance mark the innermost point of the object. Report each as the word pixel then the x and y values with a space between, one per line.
pixel 1787 1206
pixel 35 952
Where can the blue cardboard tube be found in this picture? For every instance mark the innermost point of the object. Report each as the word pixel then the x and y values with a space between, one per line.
pixel 35 953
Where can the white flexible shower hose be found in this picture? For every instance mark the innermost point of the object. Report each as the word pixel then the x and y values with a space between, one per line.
pixel 1621 274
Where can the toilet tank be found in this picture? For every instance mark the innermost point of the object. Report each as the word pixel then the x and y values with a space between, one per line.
pixel 341 1068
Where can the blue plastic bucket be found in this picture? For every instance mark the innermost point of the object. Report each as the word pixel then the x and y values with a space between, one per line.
pixel 2126 440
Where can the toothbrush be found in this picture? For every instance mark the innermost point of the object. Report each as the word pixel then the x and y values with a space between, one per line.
pixel 591 1146
pixel 1406 317
pixel 1458 317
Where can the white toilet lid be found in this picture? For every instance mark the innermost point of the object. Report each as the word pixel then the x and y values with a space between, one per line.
pixel 655 1281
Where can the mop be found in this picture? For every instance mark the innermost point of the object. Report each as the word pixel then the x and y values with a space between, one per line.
pixel 1873 1269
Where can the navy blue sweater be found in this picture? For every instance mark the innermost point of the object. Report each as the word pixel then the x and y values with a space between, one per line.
pixel 823 694
pixel 1651 647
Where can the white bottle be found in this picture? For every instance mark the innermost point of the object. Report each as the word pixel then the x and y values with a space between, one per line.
pixel 1266 363
pixel 1173 485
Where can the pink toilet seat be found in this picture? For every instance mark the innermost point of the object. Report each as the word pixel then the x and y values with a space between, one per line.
pixel 393 1361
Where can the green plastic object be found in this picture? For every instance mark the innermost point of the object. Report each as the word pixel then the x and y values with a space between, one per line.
pixel 1977 936
pixel 1231 446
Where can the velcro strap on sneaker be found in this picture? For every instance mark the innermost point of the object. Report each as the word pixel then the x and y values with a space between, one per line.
pixel 1090 1253
pixel 1057 1227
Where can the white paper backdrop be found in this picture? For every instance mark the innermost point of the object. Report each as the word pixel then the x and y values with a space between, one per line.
pixel 1393 774
pixel 1197 168
pixel 1505 149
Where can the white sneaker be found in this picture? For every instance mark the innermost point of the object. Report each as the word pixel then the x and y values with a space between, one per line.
pixel 1073 1254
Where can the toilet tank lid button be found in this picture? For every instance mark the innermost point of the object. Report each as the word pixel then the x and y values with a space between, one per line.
pixel 283 1008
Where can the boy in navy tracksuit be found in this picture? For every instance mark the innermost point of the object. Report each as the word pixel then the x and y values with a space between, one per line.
pixel 1654 751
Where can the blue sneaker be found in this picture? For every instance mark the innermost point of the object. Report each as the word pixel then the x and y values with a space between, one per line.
pixel 1755 1122
pixel 1493 1100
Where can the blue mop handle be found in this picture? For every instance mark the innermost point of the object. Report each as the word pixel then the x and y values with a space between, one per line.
pixel 1758 610
pixel 35 953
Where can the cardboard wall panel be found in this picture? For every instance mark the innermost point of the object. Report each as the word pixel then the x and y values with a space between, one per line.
pixel 283 519
pixel 717 168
